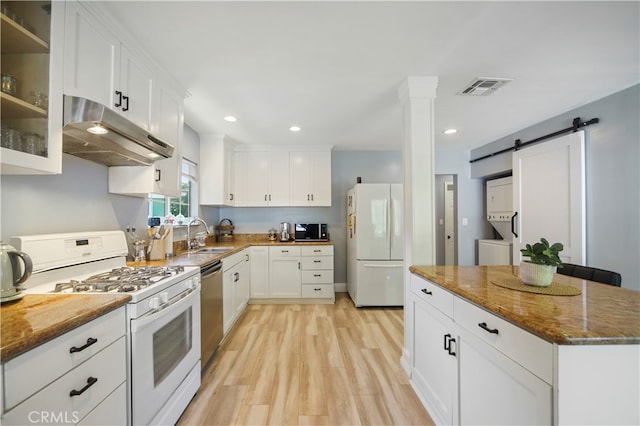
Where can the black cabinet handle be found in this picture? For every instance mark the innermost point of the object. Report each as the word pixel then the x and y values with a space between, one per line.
pixel 447 344
pixel 317 251
pixel 269 197
pixel 90 341
pixel 126 99
pixel 513 224
pixel 298 265
pixel 317 289
pixel 308 198
pixel 425 291
pixel 236 277
pixel 317 261
pixel 317 275
pixel 284 251
pixel 483 325
pixel 158 175
pixel 449 351
pixel 230 197
pixel 311 197
pixel 119 103
pixel 90 382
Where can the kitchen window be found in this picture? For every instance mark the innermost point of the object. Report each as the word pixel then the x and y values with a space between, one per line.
pixel 186 203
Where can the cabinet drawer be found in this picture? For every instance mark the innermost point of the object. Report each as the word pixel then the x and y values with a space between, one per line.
pixel 433 294
pixel 317 277
pixel 232 260
pixel 528 350
pixel 317 262
pixel 111 411
pixel 21 379
pixel 284 251
pixel 108 367
pixel 319 291
pixel 317 250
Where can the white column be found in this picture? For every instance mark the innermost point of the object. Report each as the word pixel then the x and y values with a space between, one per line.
pixel 417 95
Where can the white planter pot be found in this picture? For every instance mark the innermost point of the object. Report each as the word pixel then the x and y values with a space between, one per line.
pixel 538 275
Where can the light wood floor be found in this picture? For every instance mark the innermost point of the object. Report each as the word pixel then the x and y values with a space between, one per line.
pixel 309 365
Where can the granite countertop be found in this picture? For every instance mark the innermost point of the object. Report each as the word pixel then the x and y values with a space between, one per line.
pixel 602 314
pixel 38 318
pixel 186 258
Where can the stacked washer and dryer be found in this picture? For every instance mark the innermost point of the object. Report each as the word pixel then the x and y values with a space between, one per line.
pixel 500 215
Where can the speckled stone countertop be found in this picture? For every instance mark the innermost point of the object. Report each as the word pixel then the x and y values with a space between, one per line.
pixel 186 258
pixel 602 314
pixel 37 318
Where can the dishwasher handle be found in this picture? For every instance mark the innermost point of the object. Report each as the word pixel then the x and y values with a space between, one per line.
pixel 211 269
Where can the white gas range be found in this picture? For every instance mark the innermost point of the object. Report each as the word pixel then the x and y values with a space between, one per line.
pixel 163 316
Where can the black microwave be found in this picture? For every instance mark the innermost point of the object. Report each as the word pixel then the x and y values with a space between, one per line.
pixel 311 232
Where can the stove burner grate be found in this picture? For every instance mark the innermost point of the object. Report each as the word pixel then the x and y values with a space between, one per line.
pixel 125 279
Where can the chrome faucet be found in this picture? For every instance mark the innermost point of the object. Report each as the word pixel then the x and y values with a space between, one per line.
pixel 191 244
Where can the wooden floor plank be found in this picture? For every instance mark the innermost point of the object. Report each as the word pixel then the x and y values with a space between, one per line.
pixel 309 365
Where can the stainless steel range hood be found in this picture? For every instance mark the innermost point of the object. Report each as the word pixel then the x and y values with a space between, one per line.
pixel 96 133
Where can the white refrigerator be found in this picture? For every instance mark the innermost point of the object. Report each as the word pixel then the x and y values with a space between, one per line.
pixel 375 244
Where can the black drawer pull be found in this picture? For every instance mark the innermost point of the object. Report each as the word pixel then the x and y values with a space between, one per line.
pixel 483 325
pixel 425 291
pixel 317 251
pixel 317 261
pixel 126 99
pixel 317 275
pixel 284 251
pixel 118 104
pixel 90 341
pixel 90 382
pixel 317 289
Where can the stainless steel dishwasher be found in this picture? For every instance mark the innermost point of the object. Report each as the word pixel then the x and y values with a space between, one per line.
pixel 210 311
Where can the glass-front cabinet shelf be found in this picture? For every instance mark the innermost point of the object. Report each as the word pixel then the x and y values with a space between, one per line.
pixel 31 108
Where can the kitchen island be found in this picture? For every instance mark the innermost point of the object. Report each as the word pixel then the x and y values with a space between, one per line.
pixel 480 353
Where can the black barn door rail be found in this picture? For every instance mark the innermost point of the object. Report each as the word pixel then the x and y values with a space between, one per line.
pixel 519 144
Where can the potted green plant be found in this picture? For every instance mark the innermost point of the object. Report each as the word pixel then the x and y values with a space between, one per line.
pixel 543 263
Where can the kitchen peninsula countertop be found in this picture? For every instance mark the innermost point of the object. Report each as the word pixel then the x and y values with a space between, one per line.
pixel 38 318
pixel 602 314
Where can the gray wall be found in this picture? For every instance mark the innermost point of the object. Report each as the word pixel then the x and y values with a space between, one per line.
pixel 76 200
pixel 346 166
pixel 612 178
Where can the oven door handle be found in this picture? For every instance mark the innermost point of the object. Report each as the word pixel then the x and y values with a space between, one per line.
pixel 168 310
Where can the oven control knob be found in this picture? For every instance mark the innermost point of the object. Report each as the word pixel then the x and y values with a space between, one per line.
pixel 191 284
pixel 154 303
pixel 164 298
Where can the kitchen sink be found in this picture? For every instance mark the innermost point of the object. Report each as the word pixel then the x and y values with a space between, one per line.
pixel 213 250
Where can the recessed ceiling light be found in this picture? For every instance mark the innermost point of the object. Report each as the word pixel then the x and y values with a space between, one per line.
pixel 230 118
pixel 97 130
pixel 450 131
pixel 294 128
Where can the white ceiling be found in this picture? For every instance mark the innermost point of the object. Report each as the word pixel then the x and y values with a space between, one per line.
pixel 334 68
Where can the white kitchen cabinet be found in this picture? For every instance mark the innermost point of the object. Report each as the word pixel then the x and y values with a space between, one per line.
pixel 496 390
pixel 261 178
pixel 284 272
pixel 310 178
pixel 259 275
pixel 317 272
pixel 99 67
pixel 164 177
pixel 96 369
pixel 216 171
pixel 471 367
pixel 235 287
pixel 435 369
pixel 34 57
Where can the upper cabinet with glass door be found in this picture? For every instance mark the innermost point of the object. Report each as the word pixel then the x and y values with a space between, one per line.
pixel 31 110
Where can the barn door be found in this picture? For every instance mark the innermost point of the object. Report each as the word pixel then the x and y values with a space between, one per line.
pixel 549 196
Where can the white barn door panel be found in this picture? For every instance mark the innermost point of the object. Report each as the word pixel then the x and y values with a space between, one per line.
pixel 549 196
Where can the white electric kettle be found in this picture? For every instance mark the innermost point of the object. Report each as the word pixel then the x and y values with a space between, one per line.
pixel 12 273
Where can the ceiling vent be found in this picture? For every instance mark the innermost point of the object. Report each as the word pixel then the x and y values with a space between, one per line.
pixel 483 86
